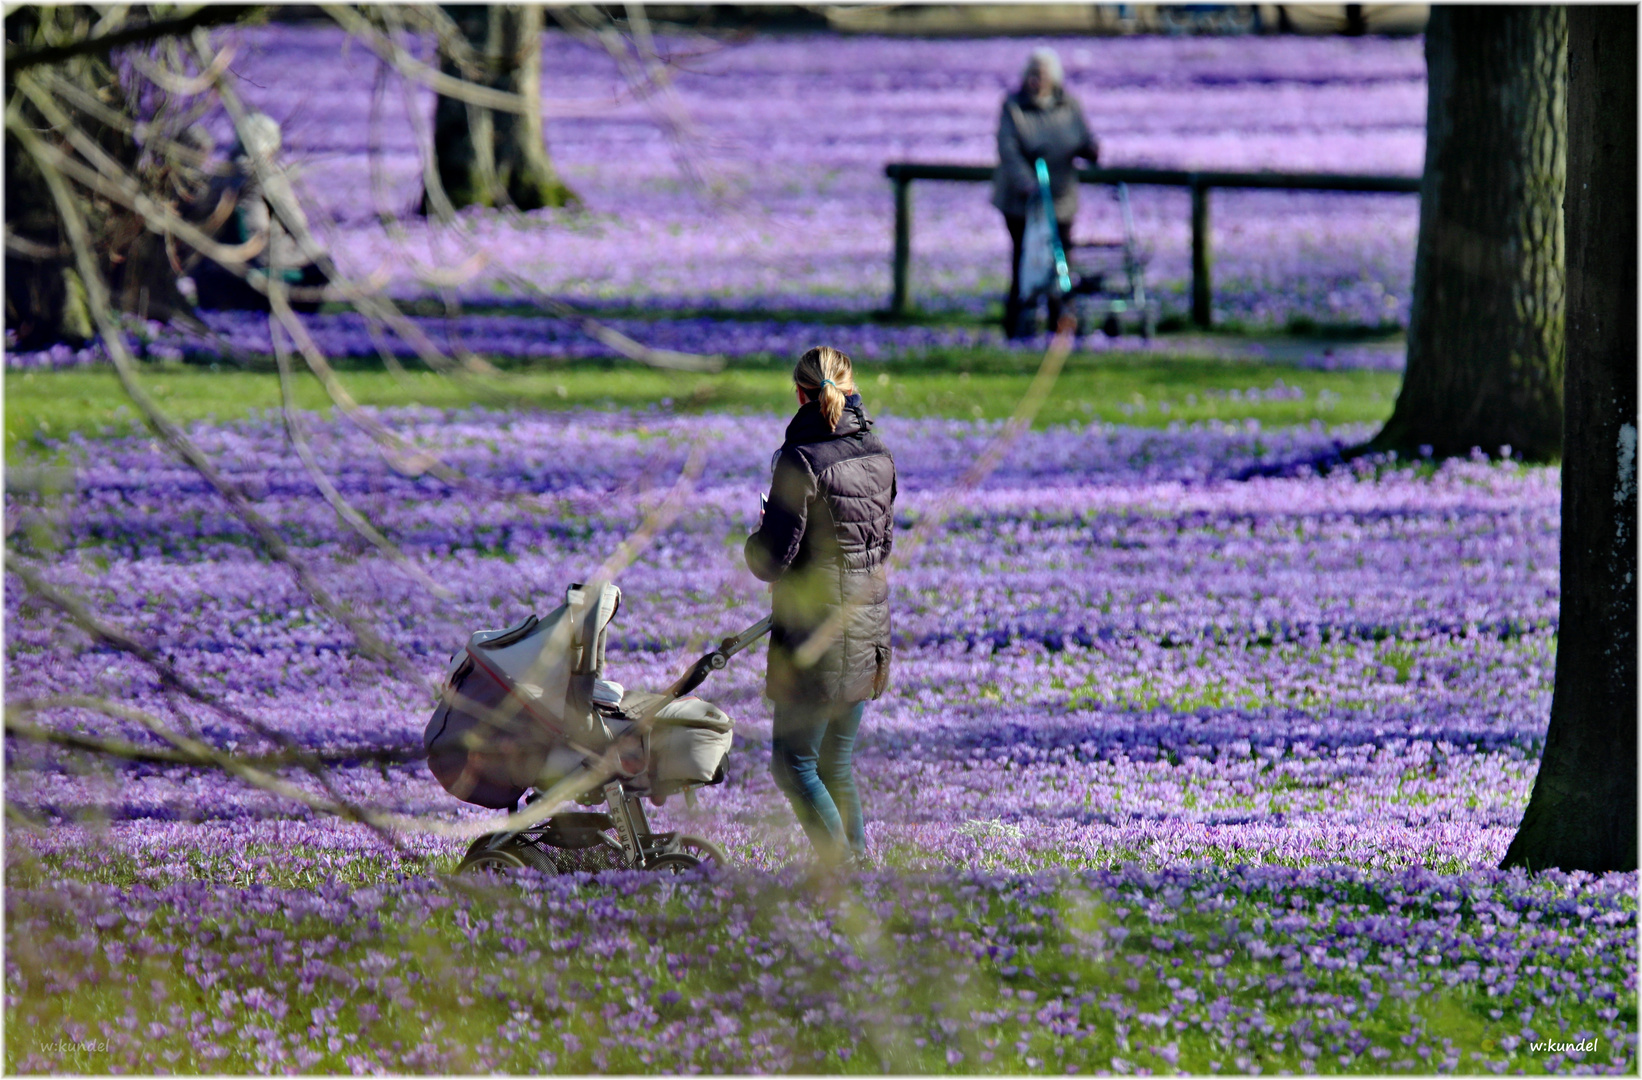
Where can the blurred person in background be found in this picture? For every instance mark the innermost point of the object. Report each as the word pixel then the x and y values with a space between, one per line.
pixel 237 209
pixel 1040 120
pixel 823 542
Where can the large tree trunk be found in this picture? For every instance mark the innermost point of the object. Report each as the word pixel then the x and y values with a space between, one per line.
pixel 45 301
pixel 488 158
pixel 45 298
pixel 1485 335
pixel 1582 815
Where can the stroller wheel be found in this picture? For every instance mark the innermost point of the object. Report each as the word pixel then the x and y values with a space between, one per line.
pixel 491 862
pixel 673 862
pixel 514 855
pixel 704 851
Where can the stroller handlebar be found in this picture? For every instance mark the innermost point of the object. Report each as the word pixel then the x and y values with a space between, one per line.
pixel 732 645
pixel 694 677
pixel 719 658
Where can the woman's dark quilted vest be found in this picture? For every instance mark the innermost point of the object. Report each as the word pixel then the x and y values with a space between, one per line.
pixel 826 535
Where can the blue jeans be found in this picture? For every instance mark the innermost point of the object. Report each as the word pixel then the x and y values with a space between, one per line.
pixel 811 762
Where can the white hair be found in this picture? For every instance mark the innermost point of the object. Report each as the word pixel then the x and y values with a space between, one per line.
pixel 1047 63
pixel 261 136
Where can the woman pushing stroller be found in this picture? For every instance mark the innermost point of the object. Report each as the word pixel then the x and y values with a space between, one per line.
pixel 823 543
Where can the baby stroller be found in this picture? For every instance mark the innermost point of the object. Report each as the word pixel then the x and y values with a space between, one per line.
pixel 526 714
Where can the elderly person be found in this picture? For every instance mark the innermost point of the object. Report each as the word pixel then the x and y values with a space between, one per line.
pixel 239 203
pixel 1040 120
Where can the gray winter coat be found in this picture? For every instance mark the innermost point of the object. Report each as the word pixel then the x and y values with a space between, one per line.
pixel 826 535
pixel 1025 133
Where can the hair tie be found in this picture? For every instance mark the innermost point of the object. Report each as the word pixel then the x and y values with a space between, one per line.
pixel 826 382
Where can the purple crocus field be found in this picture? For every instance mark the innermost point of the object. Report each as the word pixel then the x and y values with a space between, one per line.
pixel 1181 770
pixel 789 135
pixel 1178 771
pixel 792 213
pixel 538 338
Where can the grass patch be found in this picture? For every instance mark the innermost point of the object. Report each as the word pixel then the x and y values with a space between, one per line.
pixel 44 407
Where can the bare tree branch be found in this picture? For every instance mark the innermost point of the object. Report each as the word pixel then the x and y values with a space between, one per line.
pixel 201 753
pixel 443 209
pixel 615 339
pixel 130 751
pixel 373 155
pixel 107 178
pixel 368 640
pixel 30 249
pixel 445 212
pixel 184 85
pixel 599 768
pixel 376 308
pixel 648 80
pixel 112 181
pixel 115 748
pixel 202 16
pixel 171 680
pixel 414 70
pixel 449 39
pixel 282 315
pixel 407 65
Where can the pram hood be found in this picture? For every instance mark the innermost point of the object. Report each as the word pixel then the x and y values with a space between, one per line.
pixel 550 663
pixel 510 697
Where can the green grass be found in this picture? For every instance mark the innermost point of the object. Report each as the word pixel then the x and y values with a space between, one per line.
pixel 980 384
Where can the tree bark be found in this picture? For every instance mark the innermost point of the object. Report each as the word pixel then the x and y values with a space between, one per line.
pixel 488 158
pixel 43 306
pixel 1582 815
pixel 1485 335
pixel 40 293
pixel 45 298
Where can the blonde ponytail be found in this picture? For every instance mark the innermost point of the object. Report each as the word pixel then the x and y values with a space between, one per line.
pixel 826 376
